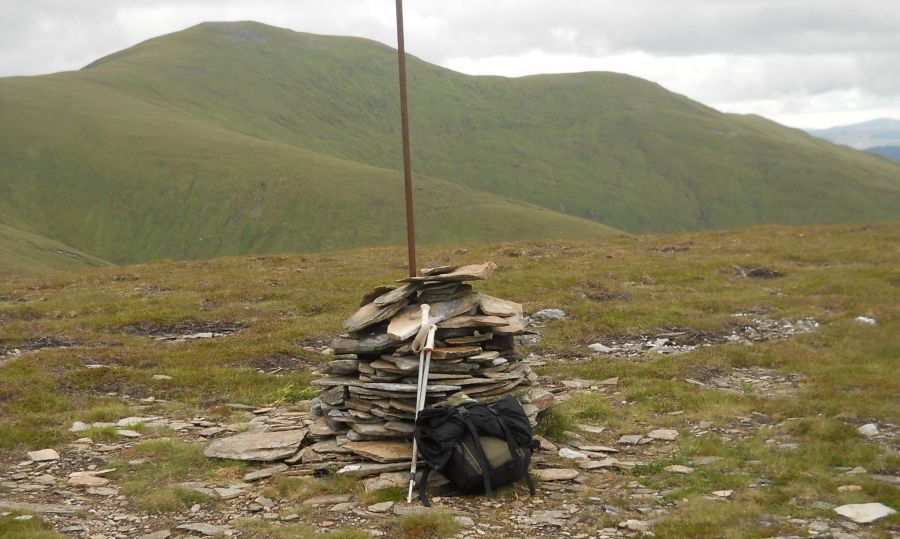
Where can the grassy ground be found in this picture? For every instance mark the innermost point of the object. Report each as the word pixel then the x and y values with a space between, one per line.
pixel 289 306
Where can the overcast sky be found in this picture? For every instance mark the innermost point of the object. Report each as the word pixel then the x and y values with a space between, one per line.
pixel 804 63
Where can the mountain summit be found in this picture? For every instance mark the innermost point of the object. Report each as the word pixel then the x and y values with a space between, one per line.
pixel 228 138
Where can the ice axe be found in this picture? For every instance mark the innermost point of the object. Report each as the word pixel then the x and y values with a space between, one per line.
pixel 422 387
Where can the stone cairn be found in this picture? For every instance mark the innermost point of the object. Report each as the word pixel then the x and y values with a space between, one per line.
pixel 368 402
pixel 362 421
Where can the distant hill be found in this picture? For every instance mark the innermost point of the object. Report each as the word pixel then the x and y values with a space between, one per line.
pixel 230 138
pixel 865 135
pixel 891 152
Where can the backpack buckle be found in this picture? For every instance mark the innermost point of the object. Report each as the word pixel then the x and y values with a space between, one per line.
pixel 462 411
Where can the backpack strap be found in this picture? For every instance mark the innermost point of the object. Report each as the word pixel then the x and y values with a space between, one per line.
pixel 423 486
pixel 513 450
pixel 479 450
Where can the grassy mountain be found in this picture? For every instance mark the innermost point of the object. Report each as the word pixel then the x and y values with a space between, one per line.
pixel 229 138
pixel 863 135
pixel 129 179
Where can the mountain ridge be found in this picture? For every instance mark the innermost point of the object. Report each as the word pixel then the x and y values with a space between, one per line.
pixel 168 147
pixel 863 135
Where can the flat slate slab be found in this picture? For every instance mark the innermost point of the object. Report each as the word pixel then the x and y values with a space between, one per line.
pixel 408 388
pixel 514 326
pixel 448 309
pixel 470 339
pixel 263 446
pixel 266 472
pixel 499 307
pixel 477 321
pixel 328 499
pixel 663 434
pixel 455 352
pixel 371 314
pixel 556 474
pixel 341 366
pixel 381 451
pixel 473 272
pixel 406 323
pixel 367 341
pixel 43 455
pixel 397 294
pixel 42 508
pixel 864 513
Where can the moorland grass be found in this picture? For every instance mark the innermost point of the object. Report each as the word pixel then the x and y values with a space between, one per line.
pixel 293 304
pixel 155 468
pixel 35 528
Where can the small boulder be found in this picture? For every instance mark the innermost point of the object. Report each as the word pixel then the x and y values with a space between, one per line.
pixel 257 446
pixel 571 454
pixel 630 439
pixel 550 314
pixel 383 507
pixel 328 499
pixel 44 455
pixel 636 525
pixel 266 472
pixel 556 474
pixel 869 429
pixel 78 426
pixel 88 481
pixel 663 434
pixel 228 493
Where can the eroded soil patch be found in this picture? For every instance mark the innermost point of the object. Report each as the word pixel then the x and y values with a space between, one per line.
pixel 280 363
pixel 60 341
pixel 184 330
pixel 745 328
pixel 756 381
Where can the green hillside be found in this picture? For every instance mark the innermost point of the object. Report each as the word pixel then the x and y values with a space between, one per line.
pixel 610 147
pixel 230 138
pixel 25 252
pixel 127 180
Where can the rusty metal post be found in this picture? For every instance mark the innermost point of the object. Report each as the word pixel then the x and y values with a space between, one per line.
pixel 404 127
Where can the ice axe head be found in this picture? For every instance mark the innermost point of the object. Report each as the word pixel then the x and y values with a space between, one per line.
pixel 429 341
pixel 418 343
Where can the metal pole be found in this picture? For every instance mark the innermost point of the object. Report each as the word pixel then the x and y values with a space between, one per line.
pixel 404 127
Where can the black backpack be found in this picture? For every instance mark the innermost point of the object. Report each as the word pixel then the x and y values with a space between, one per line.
pixel 477 447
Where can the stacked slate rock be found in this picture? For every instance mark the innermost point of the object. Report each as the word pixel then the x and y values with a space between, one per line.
pixel 369 390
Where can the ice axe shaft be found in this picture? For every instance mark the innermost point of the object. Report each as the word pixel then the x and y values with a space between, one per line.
pixel 421 388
